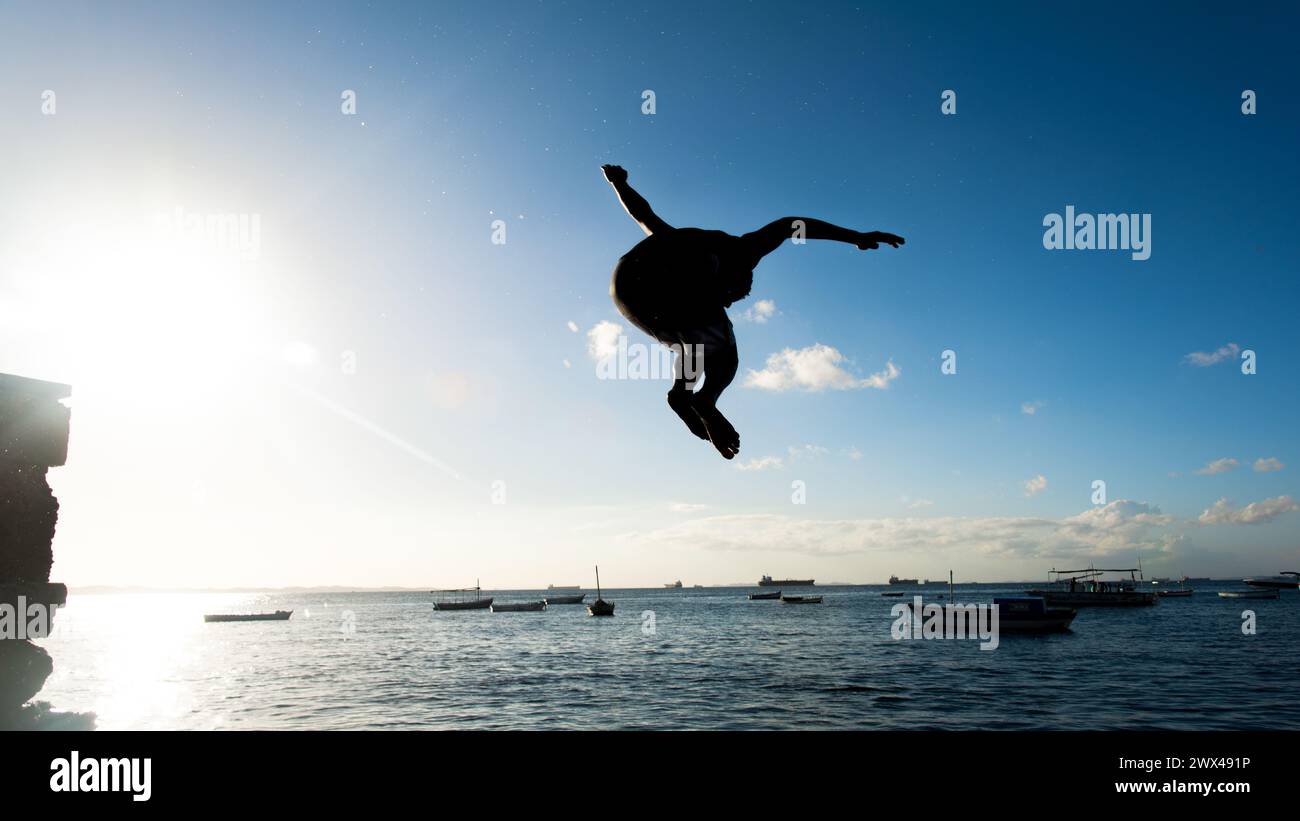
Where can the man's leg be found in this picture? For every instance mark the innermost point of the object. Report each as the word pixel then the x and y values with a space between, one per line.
pixel 720 364
pixel 685 374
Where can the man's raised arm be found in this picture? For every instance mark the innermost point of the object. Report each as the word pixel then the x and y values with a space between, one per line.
pixel 768 238
pixel 635 204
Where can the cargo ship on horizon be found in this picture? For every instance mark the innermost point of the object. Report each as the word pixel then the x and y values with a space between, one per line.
pixel 768 581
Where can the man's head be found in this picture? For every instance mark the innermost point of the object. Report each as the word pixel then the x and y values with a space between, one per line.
pixel 736 284
pixel 734 269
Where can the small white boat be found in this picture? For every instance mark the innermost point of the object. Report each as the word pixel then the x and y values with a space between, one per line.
pixel 1249 594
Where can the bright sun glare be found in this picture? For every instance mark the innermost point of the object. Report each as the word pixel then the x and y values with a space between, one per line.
pixel 164 306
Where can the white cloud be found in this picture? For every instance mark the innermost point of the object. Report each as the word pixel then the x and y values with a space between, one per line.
pixel 1120 528
pixel 807 452
pixel 1217 466
pixel 761 311
pixel 1269 465
pixel 815 368
pixel 567 363
pixel 1036 485
pixel 881 379
pixel 1205 360
pixel 765 463
pixel 853 453
pixel 573 326
pixel 918 504
pixel 1223 513
pixel 602 339
pixel 687 507
pixel 1031 408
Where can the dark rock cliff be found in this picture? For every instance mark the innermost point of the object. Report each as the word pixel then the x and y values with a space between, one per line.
pixel 33 438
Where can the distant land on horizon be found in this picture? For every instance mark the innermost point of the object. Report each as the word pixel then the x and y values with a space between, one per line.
pixel 98 589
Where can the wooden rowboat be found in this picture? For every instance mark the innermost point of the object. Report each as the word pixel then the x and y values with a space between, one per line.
pixel 550 600
pixel 1249 594
pixel 466 598
pixel 520 607
pixel 279 615
pixel 1030 614
pixel 801 599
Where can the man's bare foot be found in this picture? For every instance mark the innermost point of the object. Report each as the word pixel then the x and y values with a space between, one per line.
pixel 680 402
pixel 721 433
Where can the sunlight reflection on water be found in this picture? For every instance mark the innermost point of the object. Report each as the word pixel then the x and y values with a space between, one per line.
pixel 714 660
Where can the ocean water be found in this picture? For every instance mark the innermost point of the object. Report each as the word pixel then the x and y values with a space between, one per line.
pixel 669 659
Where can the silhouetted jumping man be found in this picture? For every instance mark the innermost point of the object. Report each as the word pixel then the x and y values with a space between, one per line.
pixel 677 283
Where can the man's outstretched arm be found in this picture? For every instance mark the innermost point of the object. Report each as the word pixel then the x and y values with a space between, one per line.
pixel 635 204
pixel 768 238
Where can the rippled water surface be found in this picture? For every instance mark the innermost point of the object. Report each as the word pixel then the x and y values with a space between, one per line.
pixel 670 659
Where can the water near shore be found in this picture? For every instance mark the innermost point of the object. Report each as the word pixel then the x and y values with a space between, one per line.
pixel 670 659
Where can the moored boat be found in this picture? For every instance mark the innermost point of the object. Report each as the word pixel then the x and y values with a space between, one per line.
pixel 764 596
pixel 520 607
pixel 278 615
pixel 1176 593
pixel 1272 593
pixel 600 607
pixel 1030 614
pixel 1085 588
pixel 894 594
pixel 465 598
pixel 801 599
pixel 470 604
pixel 1286 580
pixel 578 599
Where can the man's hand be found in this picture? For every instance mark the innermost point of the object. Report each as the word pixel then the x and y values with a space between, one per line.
pixel 872 239
pixel 614 173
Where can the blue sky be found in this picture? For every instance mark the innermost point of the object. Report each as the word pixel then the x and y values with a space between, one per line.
pixel 218 440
